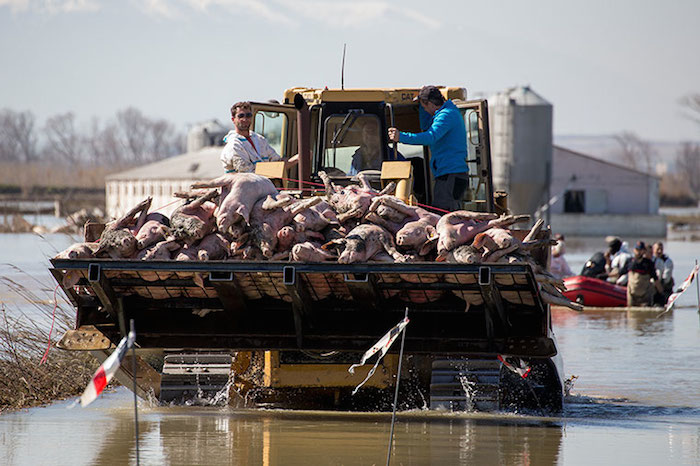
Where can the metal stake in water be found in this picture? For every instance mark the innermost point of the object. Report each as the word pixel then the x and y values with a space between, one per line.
pixel 136 409
pixel 396 395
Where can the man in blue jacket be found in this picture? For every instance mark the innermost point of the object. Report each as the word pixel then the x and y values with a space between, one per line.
pixel 445 133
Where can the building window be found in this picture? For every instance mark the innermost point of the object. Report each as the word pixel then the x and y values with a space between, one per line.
pixel 574 202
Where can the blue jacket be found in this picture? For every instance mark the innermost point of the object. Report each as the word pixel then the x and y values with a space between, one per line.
pixel 446 135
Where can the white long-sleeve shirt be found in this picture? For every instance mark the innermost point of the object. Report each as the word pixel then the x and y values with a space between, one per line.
pixel 664 269
pixel 239 156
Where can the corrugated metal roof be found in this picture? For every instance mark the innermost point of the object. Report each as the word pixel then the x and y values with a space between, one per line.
pixel 201 164
pixel 598 159
pixel 521 95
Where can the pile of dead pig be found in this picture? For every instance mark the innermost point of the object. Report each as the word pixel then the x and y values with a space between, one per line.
pixel 243 216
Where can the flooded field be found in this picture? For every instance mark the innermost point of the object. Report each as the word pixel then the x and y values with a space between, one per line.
pixel 635 401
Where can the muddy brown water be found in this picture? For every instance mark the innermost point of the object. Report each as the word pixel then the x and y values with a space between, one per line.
pixel 636 401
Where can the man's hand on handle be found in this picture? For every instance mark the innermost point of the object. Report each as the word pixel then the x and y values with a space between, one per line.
pixel 393 135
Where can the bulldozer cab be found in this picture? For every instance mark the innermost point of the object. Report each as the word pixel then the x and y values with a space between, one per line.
pixel 347 134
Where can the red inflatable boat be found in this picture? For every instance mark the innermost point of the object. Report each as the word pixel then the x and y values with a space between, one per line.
pixel 594 292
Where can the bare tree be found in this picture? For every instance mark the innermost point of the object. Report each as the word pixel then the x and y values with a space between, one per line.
pixel 64 143
pixel 18 141
pixel 104 145
pixel 147 140
pixel 635 152
pixel 691 105
pixel 688 166
pixel 133 138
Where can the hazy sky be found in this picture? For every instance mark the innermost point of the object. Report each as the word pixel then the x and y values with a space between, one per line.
pixel 607 66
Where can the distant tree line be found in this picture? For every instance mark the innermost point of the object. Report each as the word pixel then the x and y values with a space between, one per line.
pixel 683 183
pixel 129 138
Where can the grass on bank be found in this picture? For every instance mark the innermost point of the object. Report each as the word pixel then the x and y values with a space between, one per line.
pixel 29 175
pixel 24 336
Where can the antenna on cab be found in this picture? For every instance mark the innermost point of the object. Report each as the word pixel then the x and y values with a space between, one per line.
pixel 342 70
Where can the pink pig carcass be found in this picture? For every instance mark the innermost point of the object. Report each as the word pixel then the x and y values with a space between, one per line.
pixel 118 238
pixel 351 201
pixel 460 227
pixel 239 193
pixel 192 222
pixel 211 247
pixel 364 243
pixel 270 215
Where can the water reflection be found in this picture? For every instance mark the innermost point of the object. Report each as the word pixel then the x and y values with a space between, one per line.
pixel 205 436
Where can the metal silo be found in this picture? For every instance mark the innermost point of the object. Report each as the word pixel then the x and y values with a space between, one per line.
pixel 206 134
pixel 521 147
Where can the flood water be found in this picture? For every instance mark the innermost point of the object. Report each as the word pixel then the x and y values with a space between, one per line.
pixel 636 400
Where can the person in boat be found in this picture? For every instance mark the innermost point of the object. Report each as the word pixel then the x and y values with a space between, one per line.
pixel 642 278
pixel 664 269
pixel 595 267
pixel 558 265
pixel 617 260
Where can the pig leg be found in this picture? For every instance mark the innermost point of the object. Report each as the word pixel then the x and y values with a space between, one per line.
pixel 495 255
pixel 527 246
pixel 330 187
pixel 534 230
pixel 463 215
pixel 387 189
pixel 364 182
pixel 394 203
pixel 356 212
pixel 270 203
pixel 197 203
pixel 126 219
pixel 389 247
pixel 508 220
pixel 219 182
pixel 303 205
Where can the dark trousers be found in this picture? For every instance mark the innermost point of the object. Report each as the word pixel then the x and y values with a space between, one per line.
pixel 449 190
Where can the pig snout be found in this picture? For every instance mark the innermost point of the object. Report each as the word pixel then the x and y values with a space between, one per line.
pixel 285 238
pixel 350 256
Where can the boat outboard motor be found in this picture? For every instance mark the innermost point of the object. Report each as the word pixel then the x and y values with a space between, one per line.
pixel 595 266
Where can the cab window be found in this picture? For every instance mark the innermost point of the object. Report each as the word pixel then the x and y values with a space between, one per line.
pixel 352 143
pixel 271 125
pixel 476 186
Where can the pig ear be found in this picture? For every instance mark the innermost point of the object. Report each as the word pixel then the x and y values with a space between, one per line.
pixel 431 232
pixel 428 246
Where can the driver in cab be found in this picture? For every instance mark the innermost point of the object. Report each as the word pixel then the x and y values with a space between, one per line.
pixel 369 155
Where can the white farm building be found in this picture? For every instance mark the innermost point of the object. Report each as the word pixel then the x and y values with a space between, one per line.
pixel 160 180
pixel 596 197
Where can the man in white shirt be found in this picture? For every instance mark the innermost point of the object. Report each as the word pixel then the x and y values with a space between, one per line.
pixel 244 148
pixel 664 269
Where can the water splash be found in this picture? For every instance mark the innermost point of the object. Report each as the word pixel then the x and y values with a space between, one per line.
pixel 469 389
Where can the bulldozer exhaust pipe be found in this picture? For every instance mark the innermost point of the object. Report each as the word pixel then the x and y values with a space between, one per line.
pixel 303 139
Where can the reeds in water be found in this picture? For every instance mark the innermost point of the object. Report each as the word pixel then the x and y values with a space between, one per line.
pixel 29 376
